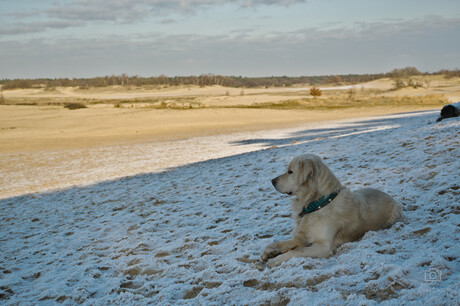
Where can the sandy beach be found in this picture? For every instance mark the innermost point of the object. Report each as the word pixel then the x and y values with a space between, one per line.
pixel 36 128
pixel 32 120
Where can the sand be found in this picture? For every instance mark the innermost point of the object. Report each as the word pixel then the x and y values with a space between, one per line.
pixel 26 128
pixel 36 128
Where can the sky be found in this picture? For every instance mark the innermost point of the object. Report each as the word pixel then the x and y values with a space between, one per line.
pixel 89 38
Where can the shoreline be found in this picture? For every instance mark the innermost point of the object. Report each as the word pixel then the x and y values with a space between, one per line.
pixel 26 129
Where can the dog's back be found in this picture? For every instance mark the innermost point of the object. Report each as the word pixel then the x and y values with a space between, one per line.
pixel 370 209
pixel 380 209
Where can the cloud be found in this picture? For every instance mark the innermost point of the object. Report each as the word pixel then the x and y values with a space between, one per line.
pixel 168 21
pixel 23 14
pixel 428 44
pixel 80 12
pixel 99 10
pixel 252 3
pixel 33 27
pixel 128 10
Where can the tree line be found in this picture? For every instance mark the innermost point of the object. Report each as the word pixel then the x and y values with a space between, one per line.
pixel 212 79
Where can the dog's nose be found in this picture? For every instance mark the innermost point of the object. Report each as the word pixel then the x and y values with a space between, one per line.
pixel 274 181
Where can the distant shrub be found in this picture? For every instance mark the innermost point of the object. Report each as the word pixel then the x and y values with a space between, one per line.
pixel 452 74
pixel 414 84
pixel 398 84
pixel 17 84
pixel 49 88
pixel 74 105
pixel 351 93
pixel 404 72
pixel 315 91
pixel 336 79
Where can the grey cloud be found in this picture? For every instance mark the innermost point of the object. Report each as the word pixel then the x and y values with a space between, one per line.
pixel 22 14
pixel 33 27
pixel 370 31
pixel 168 21
pixel 428 44
pixel 128 10
pixel 251 3
pixel 98 10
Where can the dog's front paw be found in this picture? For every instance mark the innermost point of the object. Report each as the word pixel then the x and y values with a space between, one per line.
pixel 272 250
pixel 273 262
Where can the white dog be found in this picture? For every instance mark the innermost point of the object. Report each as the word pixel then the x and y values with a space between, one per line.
pixel 325 213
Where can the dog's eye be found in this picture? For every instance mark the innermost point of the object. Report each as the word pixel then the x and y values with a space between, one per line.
pixel 289 171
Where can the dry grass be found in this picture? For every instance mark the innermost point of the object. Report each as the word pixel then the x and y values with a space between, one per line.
pixel 437 91
pixel 328 101
pixel 338 102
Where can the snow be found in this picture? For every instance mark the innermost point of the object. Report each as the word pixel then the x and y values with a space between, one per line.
pixel 192 234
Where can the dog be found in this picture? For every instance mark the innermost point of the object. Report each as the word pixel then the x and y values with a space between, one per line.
pixel 449 111
pixel 325 213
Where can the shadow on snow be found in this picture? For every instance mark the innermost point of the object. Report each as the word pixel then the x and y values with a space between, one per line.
pixel 355 127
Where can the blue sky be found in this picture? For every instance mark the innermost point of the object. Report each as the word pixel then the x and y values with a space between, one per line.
pixel 86 38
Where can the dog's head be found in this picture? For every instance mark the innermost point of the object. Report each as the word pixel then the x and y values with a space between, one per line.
pixel 300 170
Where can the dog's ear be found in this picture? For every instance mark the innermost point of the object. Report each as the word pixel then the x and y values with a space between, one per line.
pixel 307 169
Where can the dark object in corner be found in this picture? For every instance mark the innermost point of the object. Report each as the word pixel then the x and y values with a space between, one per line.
pixel 449 111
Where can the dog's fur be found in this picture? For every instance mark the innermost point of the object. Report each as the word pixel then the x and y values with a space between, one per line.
pixel 345 219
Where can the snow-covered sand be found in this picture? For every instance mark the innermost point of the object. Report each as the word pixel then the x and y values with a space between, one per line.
pixel 193 234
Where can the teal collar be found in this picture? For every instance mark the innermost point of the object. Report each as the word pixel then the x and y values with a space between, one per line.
pixel 318 204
